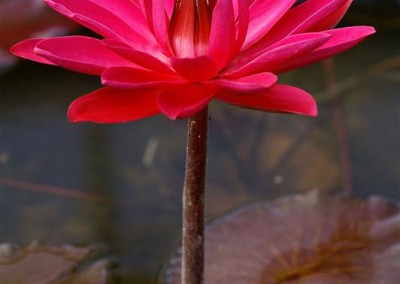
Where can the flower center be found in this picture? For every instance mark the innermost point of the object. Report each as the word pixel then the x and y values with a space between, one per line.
pixel 189 29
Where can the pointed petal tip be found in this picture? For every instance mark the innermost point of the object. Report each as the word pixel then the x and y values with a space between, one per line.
pixel 195 69
pixel 14 49
pixel 278 98
pixel 361 30
pixel 313 112
pixel 59 8
pixel 17 48
pixel 74 120
pixel 73 113
pixel 49 2
pixel 175 103
pixel 370 29
pixel 25 50
pixel 309 111
pixel 310 108
pixel 175 114
pixel 109 106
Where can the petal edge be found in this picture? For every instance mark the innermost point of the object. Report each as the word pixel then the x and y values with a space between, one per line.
pixel 279 98
pixel 109 105
pixel 184 100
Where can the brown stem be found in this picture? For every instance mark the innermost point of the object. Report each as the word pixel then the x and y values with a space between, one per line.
pixel 193 199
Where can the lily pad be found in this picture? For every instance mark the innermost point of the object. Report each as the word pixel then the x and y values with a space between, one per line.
pixel 308 238
pixel 66 264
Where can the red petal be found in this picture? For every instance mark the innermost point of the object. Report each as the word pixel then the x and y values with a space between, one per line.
pixel 151 61
pixel 242 24
pixel 156 17
pixel 282 52
pixel 317 15
pixel 279 98
pixel 118 19
pixel 25 49
pixel 222 43
pixel 108 105
pixel 169 7
pixel 79 53
pixel 195 69
pixel 184 100
pixel 332 20
pixel 253 83
pixel 341 40
pixel 306 17
pixel 131 78
pixel 263 15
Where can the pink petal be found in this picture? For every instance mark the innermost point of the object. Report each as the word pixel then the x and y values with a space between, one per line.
pixel 242 15
pixel 160 24
pixel 263 16
pixel 341 40
pixel 108 105
pixel 332 20
pixel 280 53
pixel 156 17
pixel 25 49
pixel 184 100
pixel 310 15
pixel 169 7
pixel 195 69
pixel 79 53
pixel 107 18
pixel 253 83
pixel 129 11
pixel 222 42
pixel 307 17
pixel 135 79
pixel 144 59
pixel 279 98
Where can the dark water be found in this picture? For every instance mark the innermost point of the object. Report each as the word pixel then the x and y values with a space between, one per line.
pixel 121 184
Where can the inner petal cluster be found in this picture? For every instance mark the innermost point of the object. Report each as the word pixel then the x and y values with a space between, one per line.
pixel 189 29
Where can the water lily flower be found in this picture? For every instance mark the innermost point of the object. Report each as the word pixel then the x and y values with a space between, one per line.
pixel 174 57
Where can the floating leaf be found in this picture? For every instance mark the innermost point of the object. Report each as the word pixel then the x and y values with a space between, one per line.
pixel 65 264
pixel 99 272
pixel 308 238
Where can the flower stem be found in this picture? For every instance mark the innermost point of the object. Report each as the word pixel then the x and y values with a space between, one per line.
pixel 193 199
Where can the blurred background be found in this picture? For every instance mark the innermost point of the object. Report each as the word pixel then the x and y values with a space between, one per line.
pixel 121 184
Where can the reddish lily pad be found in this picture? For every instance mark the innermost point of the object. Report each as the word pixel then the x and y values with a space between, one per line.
pixel 308 238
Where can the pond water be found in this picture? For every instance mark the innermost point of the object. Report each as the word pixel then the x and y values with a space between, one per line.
pixel 121 184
